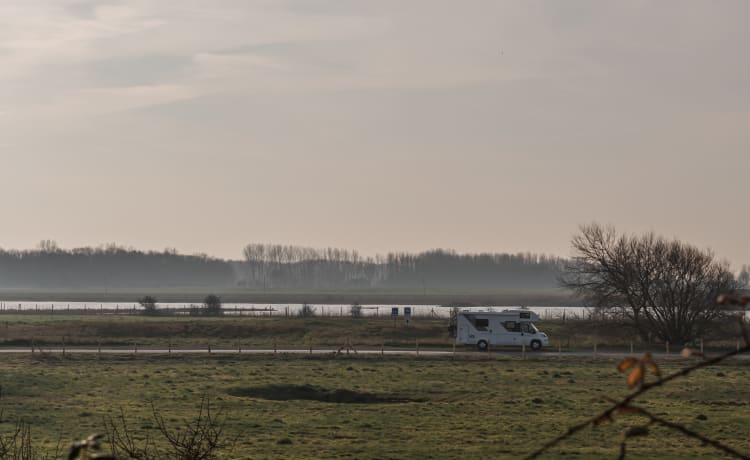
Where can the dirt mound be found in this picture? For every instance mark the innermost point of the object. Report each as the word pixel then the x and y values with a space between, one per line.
pixel 315 393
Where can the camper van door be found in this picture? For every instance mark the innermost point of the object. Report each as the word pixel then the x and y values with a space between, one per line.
pixel 513 334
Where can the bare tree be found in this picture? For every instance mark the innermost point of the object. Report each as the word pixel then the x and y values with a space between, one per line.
pixel 744 277
pixel 149 305
pixel 665 287
pixel 212 305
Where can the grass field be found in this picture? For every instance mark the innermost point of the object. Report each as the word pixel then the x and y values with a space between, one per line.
pixel 408 408
pixel 228 332
pixel 54 330
pixel 321 406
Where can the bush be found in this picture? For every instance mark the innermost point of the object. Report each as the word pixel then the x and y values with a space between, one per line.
pixel 306 311
pixel 212 306
pixel 149 305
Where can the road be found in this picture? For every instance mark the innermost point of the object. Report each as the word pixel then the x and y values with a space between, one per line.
pixel 322 351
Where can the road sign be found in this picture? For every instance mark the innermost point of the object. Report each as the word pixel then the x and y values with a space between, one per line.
pixel 394 311
pixel 407 311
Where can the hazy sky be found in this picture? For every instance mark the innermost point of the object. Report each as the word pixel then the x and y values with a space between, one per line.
pixel 375 125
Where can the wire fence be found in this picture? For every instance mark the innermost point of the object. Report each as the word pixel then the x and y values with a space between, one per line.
pixel 278 310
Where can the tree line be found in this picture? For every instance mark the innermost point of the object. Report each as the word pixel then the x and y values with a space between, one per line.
pixel 112 266
pixel 278 266
pixel 267 266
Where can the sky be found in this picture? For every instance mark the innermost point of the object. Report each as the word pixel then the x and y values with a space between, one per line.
pixel 404 125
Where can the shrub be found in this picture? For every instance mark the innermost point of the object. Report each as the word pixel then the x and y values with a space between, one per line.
pixel 149 305
pixel 306 311
pixel 212 306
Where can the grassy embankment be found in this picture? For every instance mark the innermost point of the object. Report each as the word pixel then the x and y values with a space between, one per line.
pixel 438 408
pixel 54 330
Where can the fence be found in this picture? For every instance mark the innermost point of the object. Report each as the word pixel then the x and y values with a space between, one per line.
pixel 270 310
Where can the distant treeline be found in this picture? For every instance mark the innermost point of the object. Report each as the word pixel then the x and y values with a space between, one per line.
pixel 111 266
pixel 277 266
pixel 272 267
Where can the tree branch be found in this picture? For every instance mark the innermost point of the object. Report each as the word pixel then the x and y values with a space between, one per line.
pixel 607 414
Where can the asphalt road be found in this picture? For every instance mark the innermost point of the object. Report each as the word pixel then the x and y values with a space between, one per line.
pixel 321 351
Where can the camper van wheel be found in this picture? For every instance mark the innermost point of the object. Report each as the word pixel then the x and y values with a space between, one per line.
pixel 482 345
pixel 536 345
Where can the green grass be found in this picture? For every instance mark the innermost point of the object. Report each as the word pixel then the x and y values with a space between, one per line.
pixel 464 408
pixel 52 330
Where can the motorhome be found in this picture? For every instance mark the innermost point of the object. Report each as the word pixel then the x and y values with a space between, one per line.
pixel 500 328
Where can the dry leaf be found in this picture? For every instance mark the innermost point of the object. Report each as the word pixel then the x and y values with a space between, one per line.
pixel 626 364
pixel 636 377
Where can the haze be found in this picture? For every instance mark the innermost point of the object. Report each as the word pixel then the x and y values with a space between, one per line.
pixel 374 125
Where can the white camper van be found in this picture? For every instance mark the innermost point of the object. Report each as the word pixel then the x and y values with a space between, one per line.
pixel 502 328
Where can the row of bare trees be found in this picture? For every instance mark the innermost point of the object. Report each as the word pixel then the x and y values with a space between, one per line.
pixel 271 266
pixel 277 266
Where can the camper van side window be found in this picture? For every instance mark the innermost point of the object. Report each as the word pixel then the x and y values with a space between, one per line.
pixel 512 326
pixel 481 324
pixel 525 315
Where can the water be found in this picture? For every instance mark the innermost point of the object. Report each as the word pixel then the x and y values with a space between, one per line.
pixel 279 310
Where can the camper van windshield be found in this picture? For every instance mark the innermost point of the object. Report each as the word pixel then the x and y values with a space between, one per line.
pixel 529 328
